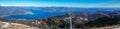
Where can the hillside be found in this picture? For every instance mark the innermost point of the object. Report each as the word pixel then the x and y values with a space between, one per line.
pixel 6 11
pixel 84 18
pixel 110 27
pixel 15 26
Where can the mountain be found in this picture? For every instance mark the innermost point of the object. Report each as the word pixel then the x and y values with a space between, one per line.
pixel 46 12
pixel 58 17
pixel 6 11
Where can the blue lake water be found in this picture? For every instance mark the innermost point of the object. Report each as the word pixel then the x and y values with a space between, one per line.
pixel 39 14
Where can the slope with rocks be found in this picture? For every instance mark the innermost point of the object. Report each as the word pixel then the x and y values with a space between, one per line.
pixel 8 25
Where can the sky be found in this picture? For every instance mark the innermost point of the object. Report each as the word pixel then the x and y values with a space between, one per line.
pixel 61 3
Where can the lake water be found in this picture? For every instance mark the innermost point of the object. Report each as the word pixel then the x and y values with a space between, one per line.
pixel 39 14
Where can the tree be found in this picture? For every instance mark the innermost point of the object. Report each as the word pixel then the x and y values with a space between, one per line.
pixel 2 19
pixel 104 21
pixel 51 23
pixel 78 26
pixel 63 24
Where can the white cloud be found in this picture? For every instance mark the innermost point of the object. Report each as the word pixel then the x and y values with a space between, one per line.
pixel 28 12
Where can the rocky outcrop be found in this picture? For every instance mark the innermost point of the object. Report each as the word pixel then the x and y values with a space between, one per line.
pixel 15 26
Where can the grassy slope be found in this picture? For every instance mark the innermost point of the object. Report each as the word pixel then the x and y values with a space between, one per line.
pixel 109 27
pixel 17 26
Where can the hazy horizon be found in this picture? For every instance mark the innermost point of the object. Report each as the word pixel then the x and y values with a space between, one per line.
pixel 61 3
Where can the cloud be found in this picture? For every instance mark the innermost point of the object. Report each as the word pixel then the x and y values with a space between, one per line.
pixel 28 12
